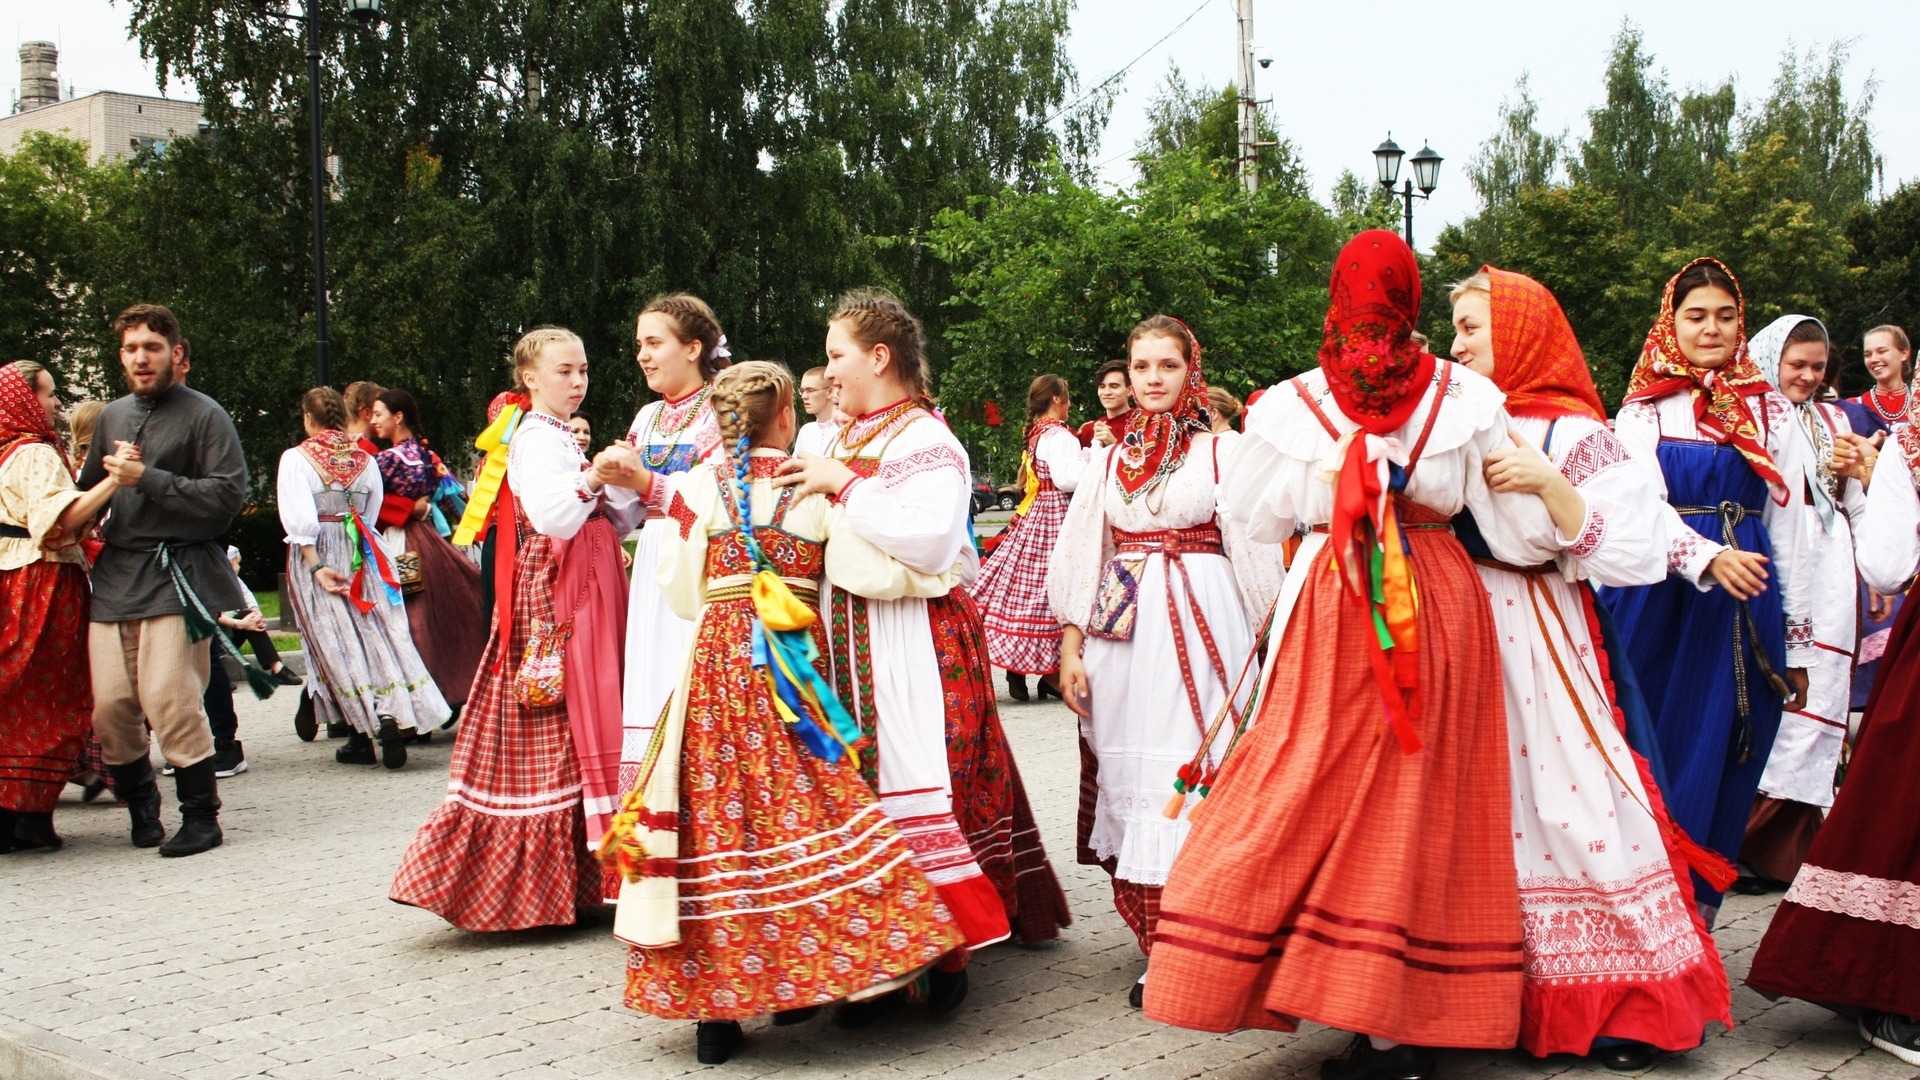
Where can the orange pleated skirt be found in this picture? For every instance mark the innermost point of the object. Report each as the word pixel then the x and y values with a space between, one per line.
pixel 1331 877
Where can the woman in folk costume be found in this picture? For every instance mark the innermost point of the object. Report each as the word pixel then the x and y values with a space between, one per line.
pixel 785 886
pixel 1022 635
pixel 46 696
pixel 1353 864
pixel 536 764
pixel 1847 935
pixel 679 346
pixel 449 626
pixel 1885 350
pixel 1723 644
pixel 1157 627
pixel 908 660
pixel 1797 786
pixel 342 588
pixel 1617 960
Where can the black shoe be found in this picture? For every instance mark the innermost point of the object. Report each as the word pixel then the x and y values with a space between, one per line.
pixel 93 789
pixel 338 731
pixel 7 818
pixel 286 676
pixel 1625 1056
pixel 1897 1035
pixel 229 758
pixel 1362 1062
pixel 393 744
pixel 1752 885
pixel 419 738
pixel 34 831
pixel 1048 690
pixel 795 1016
pixel 855 1015
pixel 134 782
pixel 1017 687
pixel 199 797
pixel 716 1040
pixel 358 751
pixel 306 723
pixel 945 990
pixel 1137 997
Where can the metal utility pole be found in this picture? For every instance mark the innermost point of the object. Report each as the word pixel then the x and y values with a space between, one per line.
pixel 1249 111
pixel 322 346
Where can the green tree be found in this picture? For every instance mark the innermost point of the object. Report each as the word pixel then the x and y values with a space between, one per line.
pixel 55 212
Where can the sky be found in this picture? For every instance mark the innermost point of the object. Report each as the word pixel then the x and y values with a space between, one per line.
pixel 1331 84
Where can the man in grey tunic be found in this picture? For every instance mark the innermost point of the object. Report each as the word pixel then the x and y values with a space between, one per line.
pixel 176 456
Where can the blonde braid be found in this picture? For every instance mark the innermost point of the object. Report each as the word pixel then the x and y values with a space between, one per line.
pixel 747 397
pixel 877 317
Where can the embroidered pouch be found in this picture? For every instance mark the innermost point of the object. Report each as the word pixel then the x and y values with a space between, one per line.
pixel 1116 602
pixel 406 566
pixel 541 681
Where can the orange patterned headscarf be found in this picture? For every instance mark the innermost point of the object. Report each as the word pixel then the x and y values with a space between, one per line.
pixel 1537 361
pixel 1720 407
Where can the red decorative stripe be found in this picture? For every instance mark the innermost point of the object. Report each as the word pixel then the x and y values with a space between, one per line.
pixel 1400 931
pixel 1820 719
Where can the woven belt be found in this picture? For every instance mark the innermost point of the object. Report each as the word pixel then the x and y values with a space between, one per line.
pixel 1199 540
pixel 1531 571
pixel 1730 513
pixel 1405 526
pixel 1746 635
pixel 740 587
pixel 14 532
pixel 333 518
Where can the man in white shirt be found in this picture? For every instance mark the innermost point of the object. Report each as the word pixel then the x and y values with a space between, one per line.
pixel 817 398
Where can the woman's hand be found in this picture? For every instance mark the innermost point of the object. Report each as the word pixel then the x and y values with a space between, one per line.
pixel 620 465
pixel 1521 469
pixel 1742 573
pixel 1797 679
pixel 333 581
pixel 251 621
pixel 811 473
pixel 1855 456
pixel 421 508
pixel 1103 433
pixel 1879 606
pixel 1074 688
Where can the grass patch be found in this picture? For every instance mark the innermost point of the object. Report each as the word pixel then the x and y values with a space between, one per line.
pixel 269 604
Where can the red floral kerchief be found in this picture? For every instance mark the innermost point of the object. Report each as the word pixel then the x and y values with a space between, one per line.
pixel 22 420
pixel 1720 395
pixel 1376 372
pixel 1154 445
pixel 336 456
pixel 1537 362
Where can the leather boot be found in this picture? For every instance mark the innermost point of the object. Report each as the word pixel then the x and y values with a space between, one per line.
pixel 135 783
pixel 34 829
pixel 199 811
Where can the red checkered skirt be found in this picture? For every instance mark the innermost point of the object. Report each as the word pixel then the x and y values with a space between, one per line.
pixel 1022 634
pixel 508 849
pixel 1331 877
pixel 989 799
pixel 46 690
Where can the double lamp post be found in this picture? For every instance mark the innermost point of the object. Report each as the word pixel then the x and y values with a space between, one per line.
pixel 1426 175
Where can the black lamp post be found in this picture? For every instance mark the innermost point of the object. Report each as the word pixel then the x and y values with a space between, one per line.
pixel 364 12
pixel 1426 172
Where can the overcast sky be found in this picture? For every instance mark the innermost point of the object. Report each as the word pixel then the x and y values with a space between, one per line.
pixel 1343 75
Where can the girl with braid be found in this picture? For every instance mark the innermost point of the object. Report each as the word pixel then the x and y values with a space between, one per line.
pixel 762 874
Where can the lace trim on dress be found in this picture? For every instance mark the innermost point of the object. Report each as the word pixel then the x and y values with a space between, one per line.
pixel 1857 895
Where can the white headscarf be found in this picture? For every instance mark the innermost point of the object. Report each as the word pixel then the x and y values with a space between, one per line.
pixel 1816 442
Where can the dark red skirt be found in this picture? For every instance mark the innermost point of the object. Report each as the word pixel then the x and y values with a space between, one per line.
pixel 46 687
pixel 1848 932
pixel 448 624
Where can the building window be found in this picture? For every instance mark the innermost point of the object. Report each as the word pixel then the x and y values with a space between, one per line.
pixel 149 142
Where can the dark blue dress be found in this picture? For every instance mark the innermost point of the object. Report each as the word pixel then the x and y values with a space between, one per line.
pixel 1681 644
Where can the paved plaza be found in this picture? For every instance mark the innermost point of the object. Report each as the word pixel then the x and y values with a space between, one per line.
pixel 279 955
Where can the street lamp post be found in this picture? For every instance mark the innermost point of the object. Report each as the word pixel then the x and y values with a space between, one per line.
pixel 364 12
pixel 1426 172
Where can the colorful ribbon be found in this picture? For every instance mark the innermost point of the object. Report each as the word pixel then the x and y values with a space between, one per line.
pixel 1369 552
pixel 486 487
pixel 366 549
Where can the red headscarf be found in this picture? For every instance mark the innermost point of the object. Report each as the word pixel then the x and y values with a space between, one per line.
pixel 22 418
pixel 1376 372
pixel 1536 359
pixel 1720 407
pixel 1155 444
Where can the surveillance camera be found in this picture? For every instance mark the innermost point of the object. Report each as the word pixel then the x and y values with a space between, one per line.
pixel 1262 57
pixel 1266 62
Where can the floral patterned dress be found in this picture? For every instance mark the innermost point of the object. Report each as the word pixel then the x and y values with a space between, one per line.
pixel 795 888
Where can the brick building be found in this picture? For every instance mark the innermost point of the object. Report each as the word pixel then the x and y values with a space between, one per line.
pixel 113 125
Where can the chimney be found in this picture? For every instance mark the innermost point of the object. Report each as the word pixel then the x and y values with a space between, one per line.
pixel 39 77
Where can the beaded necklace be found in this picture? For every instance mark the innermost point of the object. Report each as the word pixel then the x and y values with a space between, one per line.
pixel 670 436
pixel 1873 402
pixel 881 421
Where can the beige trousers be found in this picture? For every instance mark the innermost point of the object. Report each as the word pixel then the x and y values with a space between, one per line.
pixel 144 672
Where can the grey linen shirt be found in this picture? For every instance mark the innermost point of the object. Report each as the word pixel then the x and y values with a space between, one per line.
pixel 194 484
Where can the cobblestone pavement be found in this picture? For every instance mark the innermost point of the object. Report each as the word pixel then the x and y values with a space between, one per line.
pixel 279 955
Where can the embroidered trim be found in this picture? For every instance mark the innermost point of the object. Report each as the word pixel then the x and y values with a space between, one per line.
pixel 1799 633
pixel 932 459
pixel 1857 895
pixel 1593 455
pixel 1593 533
pixel 1635 929
pixel 680 512
pixel 1684 550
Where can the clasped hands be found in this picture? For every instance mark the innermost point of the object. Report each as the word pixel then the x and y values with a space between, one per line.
pixel 1856 455
pixel 124 466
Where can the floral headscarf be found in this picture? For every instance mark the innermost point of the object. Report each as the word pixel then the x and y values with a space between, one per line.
pixel 1154 445
pixel 1816 443
pixel 22 419
pixel 1537 361
pixel 1377 373
pixel 336 456
pixel 1720 407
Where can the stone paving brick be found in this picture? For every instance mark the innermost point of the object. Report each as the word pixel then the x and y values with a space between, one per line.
pixel 279 955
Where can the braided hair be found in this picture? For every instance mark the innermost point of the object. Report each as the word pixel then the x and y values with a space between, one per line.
pixel 747 399
pixel 877 317
pixel 693 320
